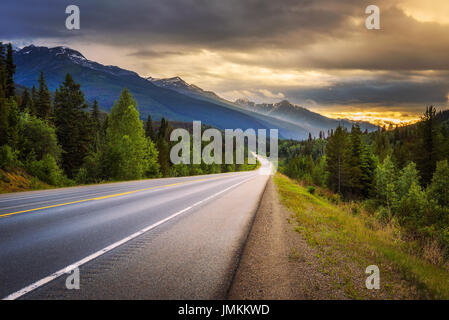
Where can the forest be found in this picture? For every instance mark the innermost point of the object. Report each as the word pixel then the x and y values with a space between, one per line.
pixel 61 140
pixel 400 174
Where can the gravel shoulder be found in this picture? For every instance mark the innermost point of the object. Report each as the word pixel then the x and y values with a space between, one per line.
pixel 276 262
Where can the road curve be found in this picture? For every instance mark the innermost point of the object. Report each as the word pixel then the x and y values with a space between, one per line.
pixel 175 238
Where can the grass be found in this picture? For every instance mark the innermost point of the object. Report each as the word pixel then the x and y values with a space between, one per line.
pixel 347 243
pixel 17 180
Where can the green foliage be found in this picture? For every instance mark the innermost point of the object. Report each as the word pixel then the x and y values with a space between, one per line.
pixel 311 189
pixel 42 99
pixel 7 157
pixel 439 188
pixel 149 130
pixel 73 125
pixel 10 69
pixel 337 161
pixel 428 151
pixel 46 170
pixel 38 137
pixel 126 141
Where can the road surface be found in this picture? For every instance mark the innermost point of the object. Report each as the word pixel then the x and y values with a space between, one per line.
pixel 175 238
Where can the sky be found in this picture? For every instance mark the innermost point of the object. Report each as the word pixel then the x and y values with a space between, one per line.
pixel 314 53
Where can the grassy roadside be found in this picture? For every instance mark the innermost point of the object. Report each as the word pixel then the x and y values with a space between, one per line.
pixel 18 180
pixel 349 241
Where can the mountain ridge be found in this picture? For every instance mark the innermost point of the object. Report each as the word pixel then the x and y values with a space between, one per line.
pixel 172 98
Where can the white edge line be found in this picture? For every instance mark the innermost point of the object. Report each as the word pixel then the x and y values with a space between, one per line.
pixel 91 257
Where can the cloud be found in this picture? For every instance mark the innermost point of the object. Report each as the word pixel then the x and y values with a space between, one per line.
pixel 313 52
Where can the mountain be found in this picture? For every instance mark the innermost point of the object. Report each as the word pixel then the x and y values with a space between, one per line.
pixel 171 98
pixel 312 121
pixel 284 110
pixel 178 84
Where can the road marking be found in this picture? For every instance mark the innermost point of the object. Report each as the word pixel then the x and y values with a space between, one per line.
pixel 109 196
pixel 91 257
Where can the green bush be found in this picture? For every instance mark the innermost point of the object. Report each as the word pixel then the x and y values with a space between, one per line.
pixel 47 170
pixel 82 177
pixel 311 189
pixel 7 156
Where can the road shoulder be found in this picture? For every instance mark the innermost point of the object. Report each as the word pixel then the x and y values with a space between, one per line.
pixel 276 262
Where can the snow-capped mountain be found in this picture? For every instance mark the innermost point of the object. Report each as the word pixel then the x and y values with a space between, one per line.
pixel 174 101
pixel 284 110
pixel 178 84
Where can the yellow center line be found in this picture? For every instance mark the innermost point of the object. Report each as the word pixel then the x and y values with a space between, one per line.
pixel 109 196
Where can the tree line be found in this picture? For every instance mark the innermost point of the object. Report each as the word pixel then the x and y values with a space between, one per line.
pixel 60 139
pixel 401 174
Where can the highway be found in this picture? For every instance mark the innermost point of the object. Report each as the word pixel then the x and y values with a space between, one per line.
pixel 174 238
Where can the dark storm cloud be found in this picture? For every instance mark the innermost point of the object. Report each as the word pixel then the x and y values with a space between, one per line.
pixel 381 92
pixel 293 35
pixel 293 26
pixel 203 22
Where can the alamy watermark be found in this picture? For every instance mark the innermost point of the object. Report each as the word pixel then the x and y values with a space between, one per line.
pixel 236 141
pixel 373 280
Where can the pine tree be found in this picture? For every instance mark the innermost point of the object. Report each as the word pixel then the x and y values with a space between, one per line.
pixel 96 126
pixel 336 160
pixel 163 129
pixel 428 150
pixel 2 73
pixel 72 125
pixel 368 170
pixel 10 71
pixel 42 103
pixel 149 131
pixel 164 156
pixel 26 103
pixel 355 160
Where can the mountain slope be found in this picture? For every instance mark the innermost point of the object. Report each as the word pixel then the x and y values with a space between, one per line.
pixel 309 120
pixel 284 110
pixel 171 98
pixel 105 83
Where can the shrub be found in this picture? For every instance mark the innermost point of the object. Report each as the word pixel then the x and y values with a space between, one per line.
pixel 7 156
pixel 311 189
pixel 46 170
pixel 82 177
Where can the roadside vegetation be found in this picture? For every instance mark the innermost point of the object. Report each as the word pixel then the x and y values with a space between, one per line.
pixel 56 139
pixel 349 238
pixel 398 176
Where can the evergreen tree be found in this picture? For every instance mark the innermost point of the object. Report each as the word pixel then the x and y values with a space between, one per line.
pixel 72 125
pixel 164 156
pixel 42 103
pixel 34 98
pixel 368 171
pixel 149 131
pixel 2 73
pixel 428 150
pixel 163 129
pixel 127 150
pixel 26 104
pixel 96 126
pixel 336 160
pixel 10 71
pixel 355 160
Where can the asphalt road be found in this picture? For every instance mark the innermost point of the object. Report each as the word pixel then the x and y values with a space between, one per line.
pixel 176 238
